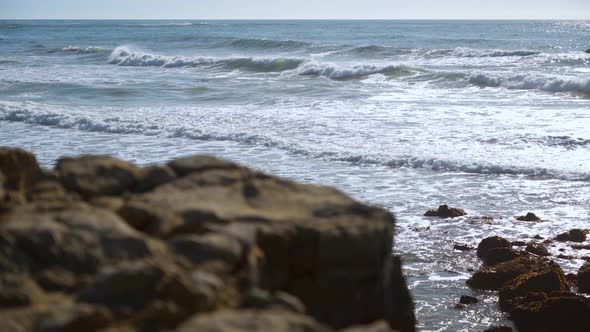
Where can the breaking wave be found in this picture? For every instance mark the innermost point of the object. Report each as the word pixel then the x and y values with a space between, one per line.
pixel 83 50
pixel 532 82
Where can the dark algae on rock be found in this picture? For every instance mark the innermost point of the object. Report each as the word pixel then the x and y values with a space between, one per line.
pixel 198 244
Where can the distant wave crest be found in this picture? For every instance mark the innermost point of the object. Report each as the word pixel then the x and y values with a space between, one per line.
pixel 83 50
pixel 343 72
pixel 483 53
pixel 264 44
pixel 532 82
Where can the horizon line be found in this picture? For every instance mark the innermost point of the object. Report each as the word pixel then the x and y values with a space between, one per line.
pixel 297 19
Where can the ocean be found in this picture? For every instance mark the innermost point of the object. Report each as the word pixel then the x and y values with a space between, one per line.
pixel 489 116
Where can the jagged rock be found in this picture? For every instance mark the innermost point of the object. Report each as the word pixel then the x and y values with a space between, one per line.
pixel 583 279
pixel 466 299
pixel 252 321
pixel 501 328
pixel 546 281
pixel 519 243
pixel 574 235
pixel 556 312
pixel 444 211
pixel 79 239
pixel 494 277
pixel 529 217
pixel 499 255
pixel 486 246
pixel 208 247
pixel 462 247
pixel 93 176
pixel 537 249
pixel 154 176
pixel 18 290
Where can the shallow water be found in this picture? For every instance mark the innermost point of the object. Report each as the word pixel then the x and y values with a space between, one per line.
pixel 488 116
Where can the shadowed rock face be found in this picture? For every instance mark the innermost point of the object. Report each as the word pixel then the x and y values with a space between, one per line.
pixel 198 244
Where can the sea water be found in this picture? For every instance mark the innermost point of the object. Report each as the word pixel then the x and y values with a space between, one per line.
pixel 489 116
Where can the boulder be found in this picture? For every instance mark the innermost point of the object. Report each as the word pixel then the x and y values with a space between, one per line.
pixel 494 277
pixel 537 249
pixel 499 255
pixel 153 176
pixel 574 235
pixel 556 312
pixel 260 299
pixel 75 317
pixel 444 211
pixel 18 290
pixel 20 172
pixel 93 176
pixel 252 321
pixel 583 279
pixel 462 247
pixel 199 249
pixel 488 244
pixel 194 164
pixel 529 217
pixel 466 299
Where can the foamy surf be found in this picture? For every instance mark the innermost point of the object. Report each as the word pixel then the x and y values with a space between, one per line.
pixel 532 82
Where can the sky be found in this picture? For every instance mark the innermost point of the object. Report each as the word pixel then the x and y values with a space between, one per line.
pixel 295 9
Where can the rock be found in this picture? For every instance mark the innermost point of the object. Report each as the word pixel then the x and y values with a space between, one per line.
pixel 187 165
pixel 59 280
pixel 537 249
pixel 494 277
pixel 489 243
pixel 79 239
pixel 379 326
pixel 201 249
pixel 574 235
pixel 462 247
pixel 153 176
pixel 259 299
pixel 529 217
pixel 499 255
pixel 501 328
pixel 466 299
pixel 583 279
pixel 538 237
pixel 76 317
pixel 18 290
pixel 124 288
pixel 460 306
pixel 444 211
pixel 546 281
pixel 20 171
pixel 581 246
pixel 93 176
pixel 556 312
pixel 588 51
pixel 252 321
pixel 519 243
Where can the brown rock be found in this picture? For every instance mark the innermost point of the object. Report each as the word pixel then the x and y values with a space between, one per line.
pixel 499 255
pixel 20 171
pixel 494 277
pixel 75 317
pixel 204 248
pixel 444 211
pixel 489 243
pixel 574 235
pixel 466 299
pixel 583 279
pixel 93 176
pixel 559 312
pixel 18 290
pixel 529 217
pixel 379 326
pixel 537 249
pixel 154 176
pixel 462 247
pixel 186 165
pixel 260 299
pixel 519 243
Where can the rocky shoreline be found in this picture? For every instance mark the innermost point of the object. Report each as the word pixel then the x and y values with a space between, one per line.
pixel 197 244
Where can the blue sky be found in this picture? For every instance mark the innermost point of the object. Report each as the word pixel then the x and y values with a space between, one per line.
pixel 293 9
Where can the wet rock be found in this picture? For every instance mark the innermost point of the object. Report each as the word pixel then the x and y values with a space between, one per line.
pixel 574 235
pixel 444 211
pixel 462 247
pixel 460 306
pixel 252 321
pixel 379 326
pixel 567 257
pixel 488 244
pixel 18 290
pixel 551 278
pixel 588 51
pixel 583 279
pixel 538 237
pixel 93 176
pixel 581 246
pixel 466 299
pixel 200 249
pixel 537 249
pixel 499 255
pixel 529 217
pixel 494 277
pixel 20 171
pixel 556 312
pixel 192 164
pixel 501 328
pixel 519 243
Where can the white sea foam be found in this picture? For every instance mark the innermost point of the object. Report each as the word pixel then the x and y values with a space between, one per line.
pixel 470 52
pixel 532 82
pixel 83 50
pixel 352 71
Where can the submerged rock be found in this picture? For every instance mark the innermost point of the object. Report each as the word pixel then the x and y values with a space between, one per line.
pixel 529 217
pixel 466 299
pixel 574 235
pixel 444 211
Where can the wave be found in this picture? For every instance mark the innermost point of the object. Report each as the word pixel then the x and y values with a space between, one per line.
pixel 120 123
pixel 173 24
pixel 83 50
pixel 349 72
pixel 532 82
pixel 124 56
pixel 483 53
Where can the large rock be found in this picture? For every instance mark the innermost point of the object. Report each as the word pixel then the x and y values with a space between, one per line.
pixel 494 277
pixel 485 249
pixel 20 172
pixel 574 235
pixel 444 211
pixel 556 312
pixel 93 176
pixel 583 279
